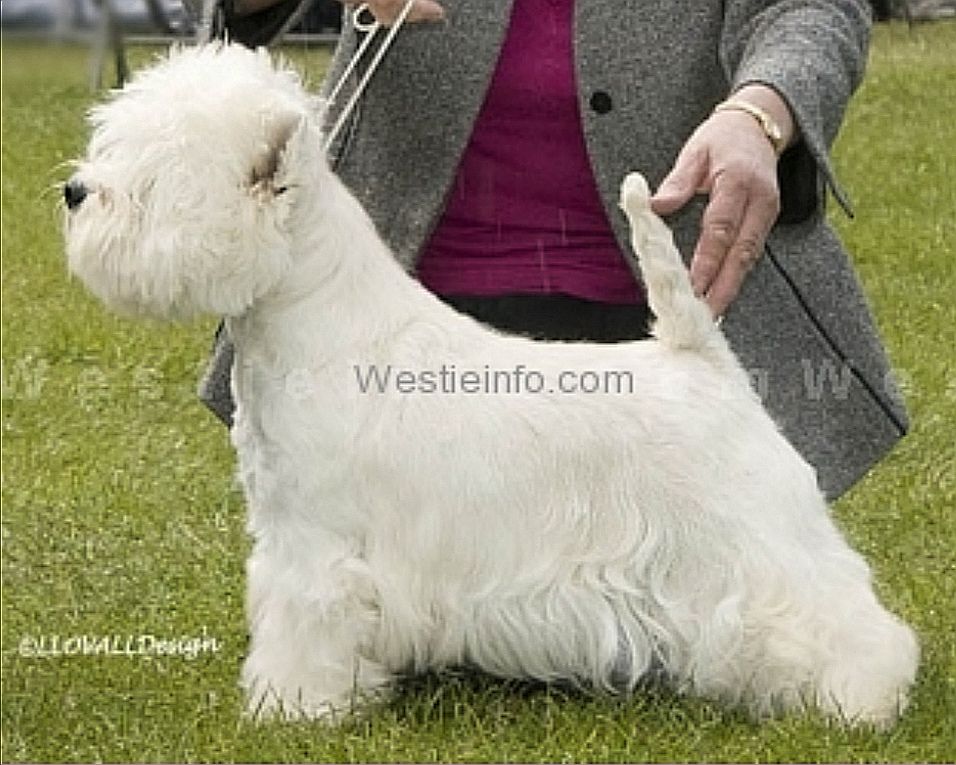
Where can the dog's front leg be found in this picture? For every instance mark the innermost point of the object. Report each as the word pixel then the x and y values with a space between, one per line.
pixel 311 627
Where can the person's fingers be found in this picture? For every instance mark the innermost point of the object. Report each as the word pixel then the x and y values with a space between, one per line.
pixel 427 10
pixel 761 211
pixel 386 11
pixel 728 158
pixel 719 230
pixel 739 260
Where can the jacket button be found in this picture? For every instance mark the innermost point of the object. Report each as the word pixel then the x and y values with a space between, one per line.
pixel 601 102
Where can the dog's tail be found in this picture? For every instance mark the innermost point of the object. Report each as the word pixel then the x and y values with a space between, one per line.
pixel 683 321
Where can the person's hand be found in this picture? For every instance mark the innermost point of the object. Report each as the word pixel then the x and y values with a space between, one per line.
pixel 386 11
pixel 729 158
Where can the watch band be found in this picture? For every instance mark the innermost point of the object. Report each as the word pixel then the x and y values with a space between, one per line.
pixel 767 123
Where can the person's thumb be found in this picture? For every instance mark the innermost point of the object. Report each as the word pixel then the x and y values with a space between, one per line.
pixel 680 185
pixel 427 10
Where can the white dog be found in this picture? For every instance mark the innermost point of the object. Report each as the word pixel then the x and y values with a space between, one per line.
pixel 422 491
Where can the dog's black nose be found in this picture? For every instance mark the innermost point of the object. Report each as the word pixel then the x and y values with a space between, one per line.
pixel 74 192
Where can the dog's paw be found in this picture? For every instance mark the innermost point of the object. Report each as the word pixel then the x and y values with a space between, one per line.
pixel 269 705
pixel 872 689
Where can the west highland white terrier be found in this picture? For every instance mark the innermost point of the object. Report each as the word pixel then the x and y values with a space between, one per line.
pixel 426 492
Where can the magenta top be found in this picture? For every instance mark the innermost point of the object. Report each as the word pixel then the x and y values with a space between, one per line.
pixel 524 215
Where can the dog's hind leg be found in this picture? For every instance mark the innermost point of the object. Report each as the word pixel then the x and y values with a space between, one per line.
pixel 798 625
pixel 683 321
pixel 860 659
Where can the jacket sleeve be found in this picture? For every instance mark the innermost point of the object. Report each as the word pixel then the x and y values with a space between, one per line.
pixel 813 53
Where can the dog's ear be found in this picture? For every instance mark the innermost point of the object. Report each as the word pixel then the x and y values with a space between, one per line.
pixel 270 171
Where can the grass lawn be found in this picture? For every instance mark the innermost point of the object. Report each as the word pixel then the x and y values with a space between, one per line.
pixel 120 517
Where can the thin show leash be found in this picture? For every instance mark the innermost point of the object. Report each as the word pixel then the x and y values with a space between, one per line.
pixel 370 29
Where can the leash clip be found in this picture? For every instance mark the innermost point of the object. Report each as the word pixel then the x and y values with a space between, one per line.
pixel 370 27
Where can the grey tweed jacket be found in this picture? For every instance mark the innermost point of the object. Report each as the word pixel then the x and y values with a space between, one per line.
pixel 648 74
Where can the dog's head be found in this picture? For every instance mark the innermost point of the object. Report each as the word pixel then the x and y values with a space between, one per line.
pixel 183 202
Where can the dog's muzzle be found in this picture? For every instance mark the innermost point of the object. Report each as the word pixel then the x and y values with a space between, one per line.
pixel 74 192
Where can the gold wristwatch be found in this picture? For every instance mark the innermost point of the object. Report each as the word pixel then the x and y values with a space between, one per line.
pixel 767 123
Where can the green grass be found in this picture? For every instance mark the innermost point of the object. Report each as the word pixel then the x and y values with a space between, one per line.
pixel 120 516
